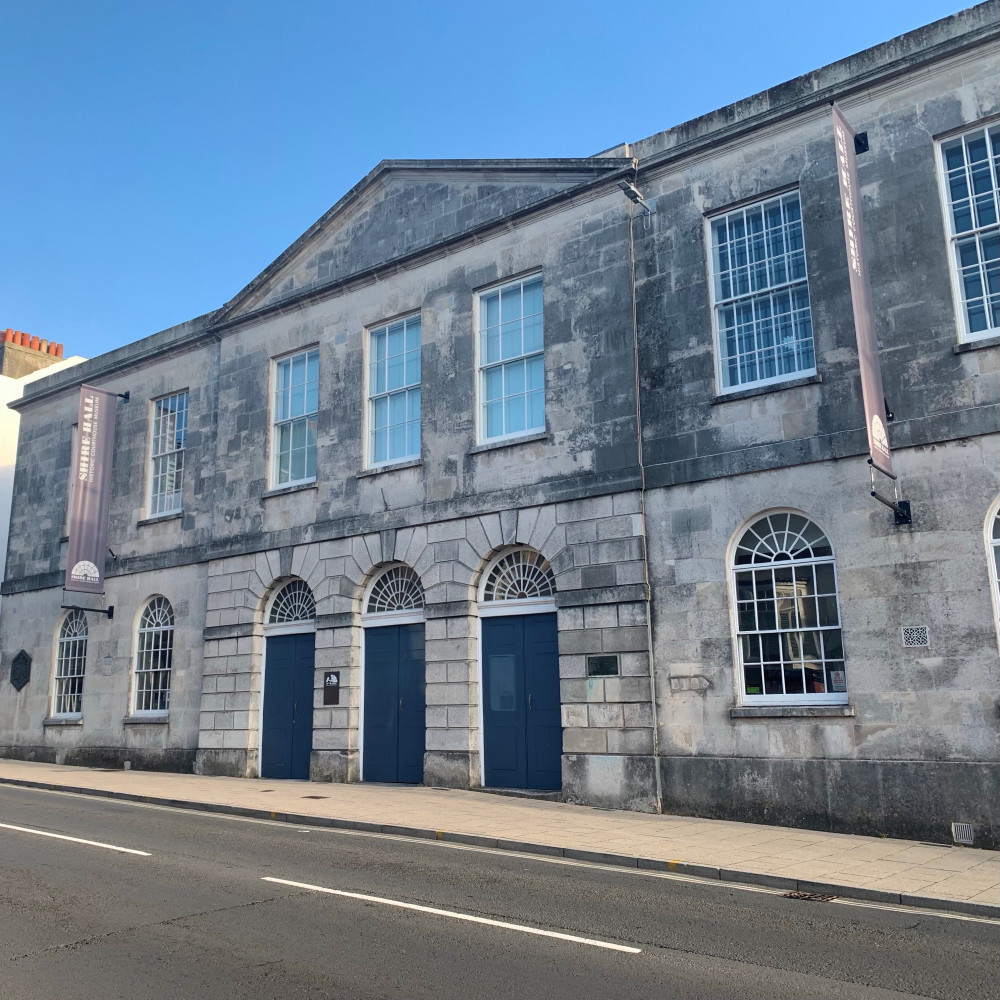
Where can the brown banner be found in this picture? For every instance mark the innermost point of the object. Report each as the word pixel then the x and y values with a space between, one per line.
pixel 88 516
pixel 861 297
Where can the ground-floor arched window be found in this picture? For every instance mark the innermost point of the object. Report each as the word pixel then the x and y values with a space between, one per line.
pixel 154 652
pixel 71 663
pixel 789 642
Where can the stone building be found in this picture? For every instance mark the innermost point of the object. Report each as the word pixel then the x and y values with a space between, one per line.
pixel 499 476
pixel 23 359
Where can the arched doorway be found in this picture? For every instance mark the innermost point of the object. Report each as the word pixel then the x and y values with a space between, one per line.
pixel 393 709
pixel 521 721
pixel 286 724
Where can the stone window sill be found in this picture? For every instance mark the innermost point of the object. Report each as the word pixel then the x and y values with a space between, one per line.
pixel 976 345
pixel 63 720
pixel 763 390
pixel 146 720
pixel 792 712
pixel 510 442
pixel 294 488
pixel 173 516
pixel 410 463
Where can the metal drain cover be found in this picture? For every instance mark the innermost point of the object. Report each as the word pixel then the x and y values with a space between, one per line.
pixel 816 897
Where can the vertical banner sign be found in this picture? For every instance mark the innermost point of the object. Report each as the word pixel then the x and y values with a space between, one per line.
pixel 88 516
pixel 861 297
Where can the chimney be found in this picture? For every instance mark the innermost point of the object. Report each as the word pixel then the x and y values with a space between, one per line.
pixel 23 353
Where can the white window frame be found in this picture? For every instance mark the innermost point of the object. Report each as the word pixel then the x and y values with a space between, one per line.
pixel 69 654
pixel 795 699
pixel 166 646
pixel 274 423
pixel 155 456
pixel 371 396
pixel 716 304
pixel 482 366
pixel 965 335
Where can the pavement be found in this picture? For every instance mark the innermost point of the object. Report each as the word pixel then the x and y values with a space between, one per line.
pixel 883 870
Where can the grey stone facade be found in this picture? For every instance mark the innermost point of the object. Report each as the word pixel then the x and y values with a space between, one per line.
pixel 636 520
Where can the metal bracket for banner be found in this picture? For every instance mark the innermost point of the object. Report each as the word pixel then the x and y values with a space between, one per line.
pixel 900 508
pixel 109 611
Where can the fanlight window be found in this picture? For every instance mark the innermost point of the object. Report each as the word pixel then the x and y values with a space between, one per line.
pixel 787 614
pixel 397 589
pixel 154 657
pixel 519 575
pixel 71 661
pixel 293 603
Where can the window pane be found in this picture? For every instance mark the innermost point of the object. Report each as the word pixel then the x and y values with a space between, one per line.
pixel 397 408
pixel 494 383
pixel 510 340
pixel 394 375
pixel 413 334
pixel 381 412
pixel 533 297
pixel 536 410
pixel 513 414
pixel 380 451
pixel 514 377
pixel 396 339
pixel 397 441
pixel 536 372
pixel 494 419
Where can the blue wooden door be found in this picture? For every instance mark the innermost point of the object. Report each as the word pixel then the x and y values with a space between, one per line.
pixel 395 724
pixel 522 727
pixel 287 722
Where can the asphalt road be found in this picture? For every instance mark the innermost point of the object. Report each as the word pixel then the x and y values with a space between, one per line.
pixel 196 918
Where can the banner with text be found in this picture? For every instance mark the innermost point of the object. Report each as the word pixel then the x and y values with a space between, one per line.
pixel 861 297
pixel 91 500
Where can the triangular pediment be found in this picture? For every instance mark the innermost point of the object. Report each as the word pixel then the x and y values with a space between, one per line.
pixel 403 207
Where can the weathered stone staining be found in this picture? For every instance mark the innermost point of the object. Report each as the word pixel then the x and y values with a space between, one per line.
pixel 642 556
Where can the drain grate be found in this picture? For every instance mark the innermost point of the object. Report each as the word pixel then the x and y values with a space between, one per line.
pixel 816 897
pixel 962 833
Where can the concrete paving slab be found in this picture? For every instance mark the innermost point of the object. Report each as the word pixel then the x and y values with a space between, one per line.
pixel 778 857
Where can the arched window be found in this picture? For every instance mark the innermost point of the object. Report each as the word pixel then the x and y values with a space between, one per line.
pixel 154 650
pixel 789 642
pixel 519 575
pixel 294 602
pixel 71 662
pixel 396 589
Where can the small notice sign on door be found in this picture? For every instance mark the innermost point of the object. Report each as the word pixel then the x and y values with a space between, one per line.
pixel 331 687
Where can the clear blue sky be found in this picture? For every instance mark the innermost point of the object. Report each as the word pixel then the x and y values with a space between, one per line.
pixel 155 156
